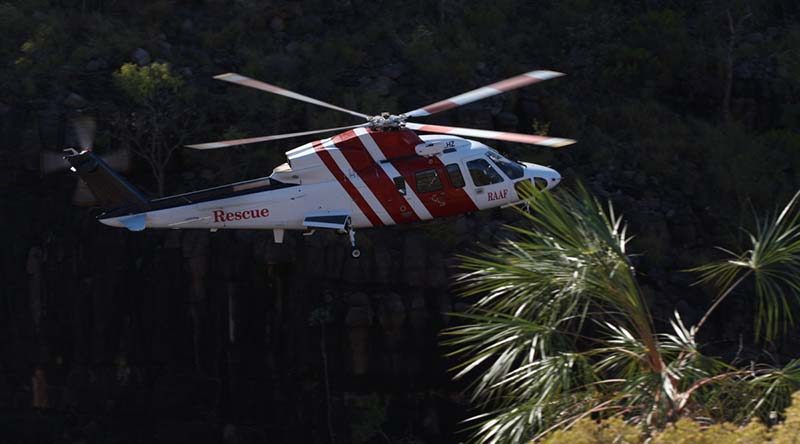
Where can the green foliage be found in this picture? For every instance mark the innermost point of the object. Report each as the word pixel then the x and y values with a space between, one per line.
pixel 789 431
pixel 752 169
pixel 367 418
pixel 40 58
pixel 587 431
pixel 320 316
pixel 789 55
pixel 559 329
pixel 686 431
pixel 662 40
pixel 13 23
pixel 146 85
pixel 643 95
pixel 534 295
pixel 683 431
pixel 773 258
pixel 423 53
pixel 160 118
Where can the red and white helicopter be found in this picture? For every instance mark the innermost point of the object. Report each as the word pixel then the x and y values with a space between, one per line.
pixel 376 173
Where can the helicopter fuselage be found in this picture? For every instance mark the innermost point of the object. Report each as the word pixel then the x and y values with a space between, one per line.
pixel 358 179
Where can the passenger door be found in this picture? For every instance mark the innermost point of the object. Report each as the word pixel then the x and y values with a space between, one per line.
pixel 487 186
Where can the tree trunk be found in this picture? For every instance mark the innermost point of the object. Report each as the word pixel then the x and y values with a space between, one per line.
pixel 728 85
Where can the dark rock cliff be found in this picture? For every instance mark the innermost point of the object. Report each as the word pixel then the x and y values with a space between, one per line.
pixel 685 123
pixel 192 336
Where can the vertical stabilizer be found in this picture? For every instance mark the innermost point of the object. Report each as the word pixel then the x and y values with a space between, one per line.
pixel 111 190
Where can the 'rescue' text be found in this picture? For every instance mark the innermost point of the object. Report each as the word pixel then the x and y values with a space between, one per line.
pixel 223 216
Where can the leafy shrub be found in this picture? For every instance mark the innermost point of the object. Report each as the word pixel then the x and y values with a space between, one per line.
pixel 683 431
pixel 569 267
pixel 145 84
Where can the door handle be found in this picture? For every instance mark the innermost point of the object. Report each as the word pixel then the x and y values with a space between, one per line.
pixel 478 190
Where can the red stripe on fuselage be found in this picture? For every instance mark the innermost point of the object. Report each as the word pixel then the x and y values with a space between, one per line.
pixel 348 186
pixel 399 147
pixel 381 185
pixel 395 143
pixel 448 201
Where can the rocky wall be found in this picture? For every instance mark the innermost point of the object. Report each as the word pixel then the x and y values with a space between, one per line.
pixel 192 336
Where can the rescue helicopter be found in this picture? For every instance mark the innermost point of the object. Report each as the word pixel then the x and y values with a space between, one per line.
pixel 376 173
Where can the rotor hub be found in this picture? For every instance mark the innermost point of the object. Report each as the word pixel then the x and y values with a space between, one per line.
pixel 386 120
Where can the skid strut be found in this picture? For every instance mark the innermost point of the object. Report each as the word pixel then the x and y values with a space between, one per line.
pixel 355 252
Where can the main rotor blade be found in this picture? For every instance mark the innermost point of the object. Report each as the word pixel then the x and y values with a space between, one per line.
pixel 257 84
pixel 227 143
pixel 484 92
pixel 555 142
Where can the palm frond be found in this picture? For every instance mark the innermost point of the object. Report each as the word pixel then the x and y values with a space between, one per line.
pixel 538 364
pixel 773 258
pixel 522 335
pixel 774 388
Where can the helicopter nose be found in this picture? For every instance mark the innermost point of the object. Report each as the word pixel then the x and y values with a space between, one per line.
pixel 554 180
pixel 543 177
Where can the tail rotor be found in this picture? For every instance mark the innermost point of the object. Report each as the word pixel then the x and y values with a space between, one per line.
pixel 81 138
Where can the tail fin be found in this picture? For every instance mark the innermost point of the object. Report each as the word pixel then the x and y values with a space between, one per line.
pixel 111 190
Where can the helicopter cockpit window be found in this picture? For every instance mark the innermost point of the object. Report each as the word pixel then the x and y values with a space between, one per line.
pixel 482 173
pixel 513 170
pixel 428 181
pixel 454 173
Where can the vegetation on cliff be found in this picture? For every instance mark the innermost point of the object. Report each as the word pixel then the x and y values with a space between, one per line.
pixel 686 113
pixel 683 431
pixel 561 330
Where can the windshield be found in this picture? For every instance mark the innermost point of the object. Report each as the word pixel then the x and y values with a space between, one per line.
pixel 512 169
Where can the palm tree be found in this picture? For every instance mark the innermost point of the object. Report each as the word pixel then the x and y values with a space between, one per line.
pixel 559 329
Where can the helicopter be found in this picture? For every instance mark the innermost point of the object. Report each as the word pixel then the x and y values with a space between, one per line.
pixel 376 173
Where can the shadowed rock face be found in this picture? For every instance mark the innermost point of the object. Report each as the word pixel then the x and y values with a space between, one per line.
pixel 226 337
pixel 170 336
pixel 191 336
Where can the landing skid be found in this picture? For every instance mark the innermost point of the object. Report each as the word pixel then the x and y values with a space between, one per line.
pixel 354 252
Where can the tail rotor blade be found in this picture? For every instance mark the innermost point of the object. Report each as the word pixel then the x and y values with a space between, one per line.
pixel 554 142
pixel 50 162
pixel 227 143
pixel 257 84
pixel 484 92
pixel 84 127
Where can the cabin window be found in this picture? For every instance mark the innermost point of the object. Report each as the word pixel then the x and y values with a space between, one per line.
pixel 400 184
pixel 512 169
pixel 482 173
pixel 454 173
pixel 428 181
